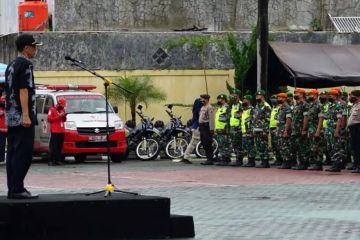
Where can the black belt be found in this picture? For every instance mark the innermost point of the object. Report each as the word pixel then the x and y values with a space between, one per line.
pixel 204 124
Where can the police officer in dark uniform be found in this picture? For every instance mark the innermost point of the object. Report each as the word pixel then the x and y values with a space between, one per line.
pixel 20 116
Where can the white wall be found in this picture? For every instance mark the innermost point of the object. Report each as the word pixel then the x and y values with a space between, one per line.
pixel 9 16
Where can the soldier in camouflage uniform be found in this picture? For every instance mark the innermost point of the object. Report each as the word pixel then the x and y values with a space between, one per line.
pixel 274 138
pixel 284 131
pixel 334 131
pixel 247 117
pixel 345 100
pixel 299 130
pixel 316 144
pixel 324 103
pixel 261 128
pixel 222 118
pixel 290 100
pixel 235 127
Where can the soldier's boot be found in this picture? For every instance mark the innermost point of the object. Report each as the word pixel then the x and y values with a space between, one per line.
pixel 207 162
pixel 224 162
pixel 352 167
pixel 327 159
pixel 277 162
pixel 264 164
pixel 250 163
pixel 335 167
pixel 238 162
pixel 344 164
pixel 303 165
pixel 286 165
pixel 355 168
pixel 318 166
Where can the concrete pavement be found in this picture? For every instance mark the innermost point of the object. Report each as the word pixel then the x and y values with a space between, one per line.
pixel 227 203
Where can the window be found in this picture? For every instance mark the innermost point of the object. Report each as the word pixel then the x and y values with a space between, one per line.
pixel 40 104
pixel 48 104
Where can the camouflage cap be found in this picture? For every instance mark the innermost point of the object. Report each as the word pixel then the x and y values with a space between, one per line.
pixel 260 92
pixel 236 91
pixel 248 97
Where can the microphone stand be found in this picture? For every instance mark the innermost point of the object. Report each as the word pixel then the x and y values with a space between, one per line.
pixel 110 187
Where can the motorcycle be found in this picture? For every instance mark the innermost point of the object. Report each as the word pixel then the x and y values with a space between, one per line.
pixel 174 137
pixel 200 151
pixel 142 137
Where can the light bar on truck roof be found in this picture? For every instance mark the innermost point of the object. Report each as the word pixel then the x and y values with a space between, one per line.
pixel 71 87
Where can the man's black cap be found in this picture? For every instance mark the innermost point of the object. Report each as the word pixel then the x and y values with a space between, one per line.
pixel 26 40
pixel 205 96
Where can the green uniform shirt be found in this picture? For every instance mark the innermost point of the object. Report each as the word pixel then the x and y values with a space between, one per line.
pixel 314 114
pixel 262 113
pixel 300 110
pixel 284 113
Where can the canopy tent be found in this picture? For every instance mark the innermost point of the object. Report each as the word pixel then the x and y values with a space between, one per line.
pixel 2 72
pixel 312 65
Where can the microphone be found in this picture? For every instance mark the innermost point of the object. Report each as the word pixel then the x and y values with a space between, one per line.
pixel 67 57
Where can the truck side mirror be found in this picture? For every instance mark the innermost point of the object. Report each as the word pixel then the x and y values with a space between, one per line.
pixel 116 109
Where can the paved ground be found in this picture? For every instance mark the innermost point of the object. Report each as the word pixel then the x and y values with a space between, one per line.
pixel 227 203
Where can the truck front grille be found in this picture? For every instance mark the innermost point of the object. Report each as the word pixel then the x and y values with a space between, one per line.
pixel 92 131
pixel 84 144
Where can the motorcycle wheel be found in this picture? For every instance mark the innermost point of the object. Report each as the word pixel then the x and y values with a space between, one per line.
pixel 175 148
pixel 200 152
pixel 147 149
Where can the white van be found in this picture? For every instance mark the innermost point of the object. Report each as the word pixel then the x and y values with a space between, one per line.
pixel 85 127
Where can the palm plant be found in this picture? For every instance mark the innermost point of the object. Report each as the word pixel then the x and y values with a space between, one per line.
pixel 143 91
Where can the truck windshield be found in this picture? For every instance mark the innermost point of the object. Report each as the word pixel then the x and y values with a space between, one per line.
pixel 85 104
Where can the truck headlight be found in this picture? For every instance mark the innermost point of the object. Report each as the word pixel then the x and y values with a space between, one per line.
pixel 118 124
pixel 70 125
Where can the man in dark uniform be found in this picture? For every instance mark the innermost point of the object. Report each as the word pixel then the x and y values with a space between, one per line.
pixel 20 116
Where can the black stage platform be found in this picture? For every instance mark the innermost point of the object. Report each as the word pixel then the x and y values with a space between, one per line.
pixel 77 216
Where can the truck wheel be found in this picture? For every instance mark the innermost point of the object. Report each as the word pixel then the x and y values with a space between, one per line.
pixel 118 157
pixel 80 158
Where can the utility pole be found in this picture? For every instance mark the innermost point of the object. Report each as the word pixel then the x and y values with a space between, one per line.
pixel 262 45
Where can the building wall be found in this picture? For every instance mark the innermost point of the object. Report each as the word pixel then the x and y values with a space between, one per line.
pixel 181 86
pixel 216 15
pixel 135 51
